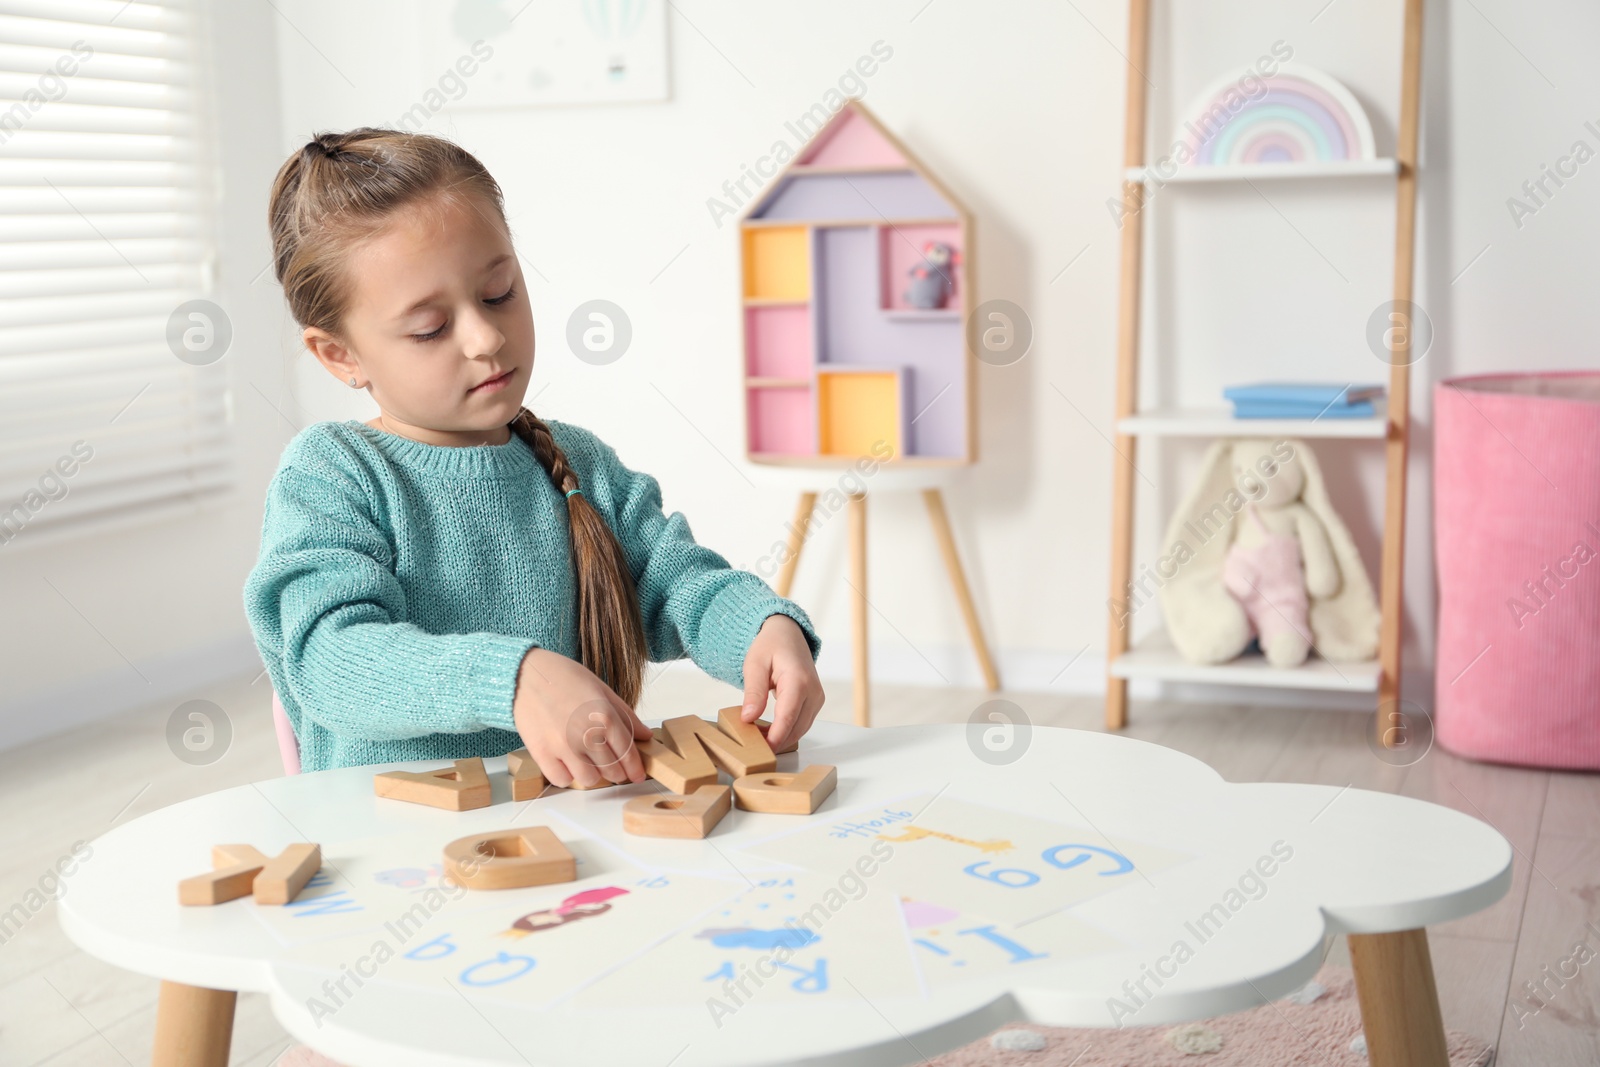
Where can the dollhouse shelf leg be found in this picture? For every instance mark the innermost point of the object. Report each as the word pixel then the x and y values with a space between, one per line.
pixel 798 533
pixel 958 578
pixel 858 578
pixel 1116 703
pixel 194 1026
pixel 1399 1002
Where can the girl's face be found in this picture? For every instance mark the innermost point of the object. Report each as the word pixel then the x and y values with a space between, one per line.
pixel 438 326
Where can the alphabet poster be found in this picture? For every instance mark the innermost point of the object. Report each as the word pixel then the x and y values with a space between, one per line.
pixel 950 946
pixel 804 938
pixel 535 946
pixel 1010 867
pixel 893 901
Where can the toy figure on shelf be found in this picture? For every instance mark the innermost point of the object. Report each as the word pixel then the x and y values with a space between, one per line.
pixel 932 282
pixel 1257 551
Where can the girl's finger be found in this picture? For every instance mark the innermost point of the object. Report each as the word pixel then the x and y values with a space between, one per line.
pixel 629 731
pixel 785 713
pixel 757 680
pixel 808 715
pixel 624 756
pixel 554 770
pixel 582 773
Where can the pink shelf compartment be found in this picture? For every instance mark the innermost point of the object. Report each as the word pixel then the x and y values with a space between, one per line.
pixel 781 420
pixel 777 341
pixel 900 249
pixel 853 143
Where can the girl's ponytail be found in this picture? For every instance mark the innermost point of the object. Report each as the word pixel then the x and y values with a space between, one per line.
pixel 610 630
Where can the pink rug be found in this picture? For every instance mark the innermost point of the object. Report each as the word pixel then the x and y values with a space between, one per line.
pixel 1280 1034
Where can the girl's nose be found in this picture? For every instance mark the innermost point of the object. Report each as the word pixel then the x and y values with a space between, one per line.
pixel 480 337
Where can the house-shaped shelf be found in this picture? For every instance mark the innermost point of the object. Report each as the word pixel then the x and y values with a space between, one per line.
pixel 853 320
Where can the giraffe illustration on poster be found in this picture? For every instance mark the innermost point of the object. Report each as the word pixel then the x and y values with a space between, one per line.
pixel 987 861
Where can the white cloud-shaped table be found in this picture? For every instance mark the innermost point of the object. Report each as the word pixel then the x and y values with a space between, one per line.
pixel 1094 881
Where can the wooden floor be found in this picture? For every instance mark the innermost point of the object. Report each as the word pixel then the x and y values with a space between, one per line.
pixel 61 1007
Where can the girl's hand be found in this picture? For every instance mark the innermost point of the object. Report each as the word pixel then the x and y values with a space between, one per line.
pixel 576 728
pixel 779 658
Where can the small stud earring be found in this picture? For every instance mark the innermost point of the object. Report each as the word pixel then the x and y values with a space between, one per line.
pixel 352 383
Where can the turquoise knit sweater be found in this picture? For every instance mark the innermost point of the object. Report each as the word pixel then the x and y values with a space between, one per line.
pixel 400 584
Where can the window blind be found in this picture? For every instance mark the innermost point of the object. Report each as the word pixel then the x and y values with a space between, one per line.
pixel 112 405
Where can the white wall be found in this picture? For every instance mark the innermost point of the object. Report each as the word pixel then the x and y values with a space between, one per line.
pixel 151 612
pixel 1018 106
pixel 603 198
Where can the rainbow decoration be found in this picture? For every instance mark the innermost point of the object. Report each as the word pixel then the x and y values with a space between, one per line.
pixel 1297 115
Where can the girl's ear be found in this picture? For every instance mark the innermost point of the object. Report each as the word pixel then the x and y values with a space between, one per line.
pixel 331 353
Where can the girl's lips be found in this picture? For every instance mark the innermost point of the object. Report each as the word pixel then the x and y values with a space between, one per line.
pixel 493 385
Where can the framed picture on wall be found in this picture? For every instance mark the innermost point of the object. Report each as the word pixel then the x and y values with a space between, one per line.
pixel 548 52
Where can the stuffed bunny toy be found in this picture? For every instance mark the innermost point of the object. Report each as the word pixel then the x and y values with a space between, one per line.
pixel 1257 551
pixel 1280 556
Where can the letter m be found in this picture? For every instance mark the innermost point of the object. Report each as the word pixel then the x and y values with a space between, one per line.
pixel 338 903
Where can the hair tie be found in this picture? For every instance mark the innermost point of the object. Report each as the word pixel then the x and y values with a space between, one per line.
pixel 571 491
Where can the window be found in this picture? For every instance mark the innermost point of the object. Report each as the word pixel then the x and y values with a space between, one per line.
pixel 112 397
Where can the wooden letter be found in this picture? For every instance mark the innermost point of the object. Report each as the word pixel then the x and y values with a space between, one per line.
pixel 673 816
pixel 681 766
pixel 239 869
pixel 737 747
pixel 234 870
pixel 527 781
pixel 460 787
pixel 509 859
pixel 604 783
pixel 287 873
pixel 787 793
pixel 687 751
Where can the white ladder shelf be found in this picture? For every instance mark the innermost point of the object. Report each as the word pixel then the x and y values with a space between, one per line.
pixel 1159 662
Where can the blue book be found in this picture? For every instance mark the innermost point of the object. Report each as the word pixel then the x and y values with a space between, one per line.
pixel 1251 409
pixel 1315 393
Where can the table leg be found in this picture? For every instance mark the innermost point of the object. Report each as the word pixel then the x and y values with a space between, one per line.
pixel 194 1026
pixel 1399 1002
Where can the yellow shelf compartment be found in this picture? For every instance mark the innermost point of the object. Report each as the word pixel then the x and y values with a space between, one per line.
pixel 857 407
pixel 777 264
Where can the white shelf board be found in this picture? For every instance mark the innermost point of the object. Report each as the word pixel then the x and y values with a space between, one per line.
pixel 1238 172
pixel 1160 662
pixel 1219 422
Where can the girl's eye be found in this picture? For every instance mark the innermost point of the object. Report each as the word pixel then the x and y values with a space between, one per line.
pixel 494 301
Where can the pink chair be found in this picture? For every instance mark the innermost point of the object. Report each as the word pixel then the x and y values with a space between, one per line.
pixel 288 746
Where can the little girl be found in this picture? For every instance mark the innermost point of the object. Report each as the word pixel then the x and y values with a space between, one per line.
pixel 457 577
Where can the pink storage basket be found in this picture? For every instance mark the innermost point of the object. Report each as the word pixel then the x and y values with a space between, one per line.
pixel 1517 532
